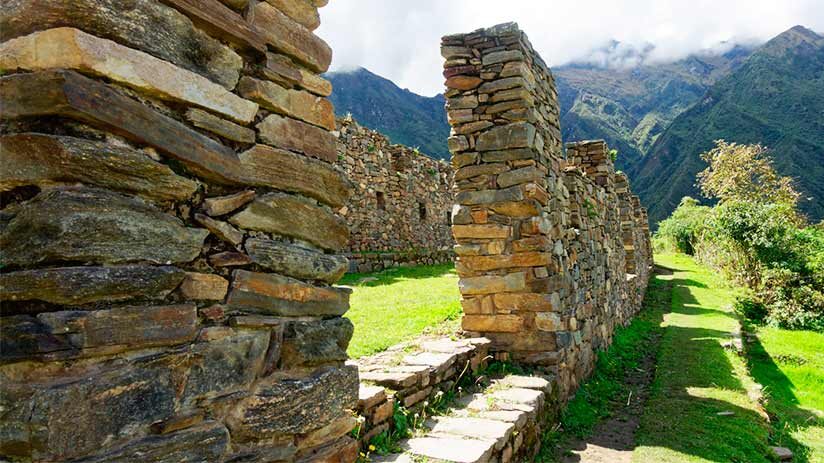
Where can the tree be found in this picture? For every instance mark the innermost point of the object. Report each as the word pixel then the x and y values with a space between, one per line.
pixel 744 173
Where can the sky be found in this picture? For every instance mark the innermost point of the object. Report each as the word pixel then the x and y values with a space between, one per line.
pixel 400 39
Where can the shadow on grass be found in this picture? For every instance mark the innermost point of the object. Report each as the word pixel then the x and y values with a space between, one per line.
pixel 392 275
pixel 786 416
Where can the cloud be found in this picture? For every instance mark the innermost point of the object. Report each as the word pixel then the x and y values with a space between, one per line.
pixel 400 39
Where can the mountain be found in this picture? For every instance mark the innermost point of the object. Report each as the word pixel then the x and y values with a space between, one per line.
pixel 630 103
pixel 403 116
pixel 775 98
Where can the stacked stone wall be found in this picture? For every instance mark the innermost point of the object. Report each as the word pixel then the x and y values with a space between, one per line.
pixel 168 235
pixel 399 213
pixel 543 237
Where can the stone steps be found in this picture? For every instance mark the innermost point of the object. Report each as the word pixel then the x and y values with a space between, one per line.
pixel 501 424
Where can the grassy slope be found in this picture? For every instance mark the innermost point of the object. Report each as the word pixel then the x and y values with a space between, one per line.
pixel 790 366
pixel 697 378
pixel 399 305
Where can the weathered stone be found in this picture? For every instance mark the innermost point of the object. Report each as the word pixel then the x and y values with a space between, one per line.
pixel 492 284
pixel 481 231
pixel 520 209
pixel 176 423
pixel 485 263
pixel 67 93
pixel 343 450
pixel 83 285
pixel 519 176
pixel 279 451
pixel 314 83
pixel 237 5
pixel 203 286
pixel 479 169
pixel 174 38
pixel 95 226
pixel 219 126
pixel 471 197
pixel 229 259
pixel 455 52
pixel 452 449
pixel 45 160
pixel 516 135
pixel 220 21
pixel 287 171
pixel 462 82
pixel 471 127
pixel 502 84
pixel 220 205
pixel 294 103
pixel 474 428
pixel 294 135
pixel 203 443
pixel 281 69
pixel 370 396
pixel 502 57
pixel 533 302
pixel 320 397
pixel 457 143
pixel 462 102
pixel 224 365
pixel 492 323
pixel 296 261
pixel 303 12
pixel 293 216
pixel 782 453
pixel 24 336
pixel 548 321
pixel 278 295
pixel 69 48
pixel 315 343
pixel 222 230
pixel 395 380
pixel 291 38
pixel 328 433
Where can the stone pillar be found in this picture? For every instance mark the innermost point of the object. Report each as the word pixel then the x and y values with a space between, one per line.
pixel 506 146
pixel 169 235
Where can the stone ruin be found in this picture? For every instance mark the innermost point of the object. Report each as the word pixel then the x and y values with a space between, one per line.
pixel 552 250
pixel 399 211
pixel 168 234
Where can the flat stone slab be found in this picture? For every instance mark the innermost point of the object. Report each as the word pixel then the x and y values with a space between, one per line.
pixel 474 428
pixel 782 453
pixel 453 450
pixel 526 382
pixel 394 381
pixel 519 395
pixel 436 361
pixel 369 396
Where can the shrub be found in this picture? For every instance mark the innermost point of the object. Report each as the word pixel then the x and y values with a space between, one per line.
pixel 684 228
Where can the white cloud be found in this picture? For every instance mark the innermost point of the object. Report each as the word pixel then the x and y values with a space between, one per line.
pixel 400 39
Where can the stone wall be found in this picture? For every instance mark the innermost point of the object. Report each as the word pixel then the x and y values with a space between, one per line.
pixel 168 238
pixel 399 212
pixel 552 249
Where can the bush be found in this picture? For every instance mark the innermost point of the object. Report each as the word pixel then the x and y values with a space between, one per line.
pixel 683 230
pixel 751 309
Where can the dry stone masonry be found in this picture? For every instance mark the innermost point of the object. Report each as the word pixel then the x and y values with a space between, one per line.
pixel 399 212
pixel 169 236
pixel 552 249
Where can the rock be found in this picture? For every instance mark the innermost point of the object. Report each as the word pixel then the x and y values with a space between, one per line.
pixel 479 169
pixel 174 38
pixel 220 205
pixel 524 302
pixel 296 217
pixel 303 12
pixel 782 453
pixel 370 396
pixel 499 85
pixel 46 160
pixel 519 176
pixel 471 127
pixel 83 285
pixel 281 69
pixel 222 230
pixel 299 104
pixel 219 21
pixel 502 57
pixel 69 48
pixel 462 102
pixel 24 336
pixel 494 323
pixel 511 194
pixel 486 263
pixel 291 38
pixel 203 287
pixel 320 397
pixel 315 343
pixel 329 433
pixel 462 82
pixel 457 143
pixel 491 284
pixel 452 449
pixel 474 428
pixel 222 127
pixel 395 380
pixel 481 231
pixel 67 93
pixel 208 442
pixel 229 259
pixel 515 135
pixel 295 261
pixel 95 226
pixel 456 52
pixel 282 170
pixel 343 450
pixel 548 321
pixel 294 135
pixel 274 294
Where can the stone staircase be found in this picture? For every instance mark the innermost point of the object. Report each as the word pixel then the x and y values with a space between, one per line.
pixel 501 424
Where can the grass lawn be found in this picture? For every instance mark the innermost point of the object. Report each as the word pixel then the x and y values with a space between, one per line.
pixel 699 409
pixel 790 366
pixel 399 304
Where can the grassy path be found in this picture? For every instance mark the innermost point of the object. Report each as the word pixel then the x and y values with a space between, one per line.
pixel 699 409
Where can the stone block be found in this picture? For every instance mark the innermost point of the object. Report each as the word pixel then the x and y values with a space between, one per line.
pixel 486 263
pixel 294 135
pixel 492 284
pixel 69 48
pixel 452 449
pixel 471 198
pixel 229 259
pixel 492 231
pixel 219 126
pixel 321 397
pixel 502 56
pixel 532 302
pixel 315 343
pixel 203 287
pixel 515 135
pixel 493 323
pixel 519 176
pixel 328 433
pixel 302 11
pixel 463 82
pixel 295 261
pixel 47 160
pixel 208 442
pixel 281 69
pixel 220 205
pixel 75 286
pixel 295 217
pixel 278 295
pixel 291 38
pixel 370 396
pixel 94 226
pixel 222 230
pixel 299 104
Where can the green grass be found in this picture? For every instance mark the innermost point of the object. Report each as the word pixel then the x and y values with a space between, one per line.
pixel 790 366
pixel 697 378
pixel 399 305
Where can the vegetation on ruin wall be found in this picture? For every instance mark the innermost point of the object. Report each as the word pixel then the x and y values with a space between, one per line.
pixel 398 304
pixel 755 236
